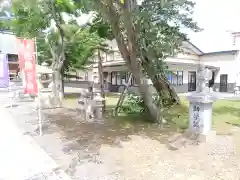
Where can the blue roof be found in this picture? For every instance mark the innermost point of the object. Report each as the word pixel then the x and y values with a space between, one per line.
pixel 221 52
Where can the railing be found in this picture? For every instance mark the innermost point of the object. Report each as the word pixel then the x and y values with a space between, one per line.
pixel 110 57
pixel 69 77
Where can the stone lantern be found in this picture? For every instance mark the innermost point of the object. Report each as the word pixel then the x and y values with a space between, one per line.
pixel 44 74
pixel 200 105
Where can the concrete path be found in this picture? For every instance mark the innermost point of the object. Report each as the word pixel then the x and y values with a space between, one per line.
pixel 21 158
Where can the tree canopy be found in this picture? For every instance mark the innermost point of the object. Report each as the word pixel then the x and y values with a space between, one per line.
pixel 62 43
pixel 146 34
pixel 49 20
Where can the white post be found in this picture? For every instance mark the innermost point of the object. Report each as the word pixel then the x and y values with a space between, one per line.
pixel 11 96
pixel 39 113
pixel 39 101
pixel 10 91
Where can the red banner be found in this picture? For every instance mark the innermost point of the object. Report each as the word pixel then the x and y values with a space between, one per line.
pixel 27 64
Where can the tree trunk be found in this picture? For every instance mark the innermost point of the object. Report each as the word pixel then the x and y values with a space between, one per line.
pixel 145 91
pixel 136 69
pixel 128 52
pixel 160 83
pixel 100 72
pixel 62 80
pixel 162 86
pixel 57 89
pixel 60 87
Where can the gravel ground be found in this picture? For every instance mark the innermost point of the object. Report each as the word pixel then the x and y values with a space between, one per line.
pixel 117 151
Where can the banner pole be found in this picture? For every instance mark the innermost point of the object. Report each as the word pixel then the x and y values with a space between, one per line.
pixel 9 82
pixel 11 93
pixel 9 88
pixel 39 101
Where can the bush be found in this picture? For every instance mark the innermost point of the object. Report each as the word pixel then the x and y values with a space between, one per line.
pixel 135 104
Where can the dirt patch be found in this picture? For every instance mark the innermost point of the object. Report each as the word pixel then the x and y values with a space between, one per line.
pixel 118 150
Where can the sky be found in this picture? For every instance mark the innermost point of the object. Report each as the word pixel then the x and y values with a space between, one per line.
pixel 218 18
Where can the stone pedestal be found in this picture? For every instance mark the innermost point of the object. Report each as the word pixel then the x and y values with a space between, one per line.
pixel 45 99
pixel 45 86
pixel 211 90
pixel 200 113
pixel 98 106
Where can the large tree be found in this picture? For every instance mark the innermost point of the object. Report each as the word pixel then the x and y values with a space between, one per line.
pixel 62 43
pixel 35 18
pixel 4 13
pixel 146 34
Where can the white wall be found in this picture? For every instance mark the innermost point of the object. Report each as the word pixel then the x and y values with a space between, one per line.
pixel 226 62
pixel 185 70
pixel 112 44
pixel 8 44
pixel 189 54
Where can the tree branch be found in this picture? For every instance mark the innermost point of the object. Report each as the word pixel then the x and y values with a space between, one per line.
pixel 61 32
pixel 114 20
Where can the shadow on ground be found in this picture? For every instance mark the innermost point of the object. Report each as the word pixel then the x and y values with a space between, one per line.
pixel 86 138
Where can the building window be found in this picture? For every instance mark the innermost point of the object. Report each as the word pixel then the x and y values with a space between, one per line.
pixel 211 81
pixel 117 56
pixel 180 78
pixel 106 57
pixel 175 77
pixel 110 56
pixel 12 57
pixel 133 81
pixel 169 76
pixel 124 78
pixel 12 76
pixel 119 79
pixel 86 76
pixel 113 78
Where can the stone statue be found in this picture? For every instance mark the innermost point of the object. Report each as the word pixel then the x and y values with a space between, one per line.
pixel 203 75
pixel 200 78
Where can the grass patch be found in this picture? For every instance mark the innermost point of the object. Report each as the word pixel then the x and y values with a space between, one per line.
pixel 226 113
pixel 71 100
